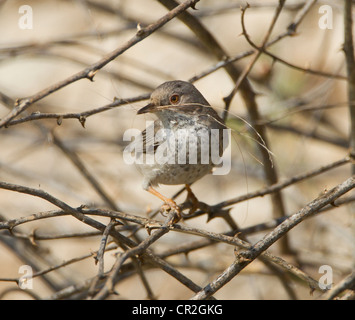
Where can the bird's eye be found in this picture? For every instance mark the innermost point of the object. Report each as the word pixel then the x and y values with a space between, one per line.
pixel 174 99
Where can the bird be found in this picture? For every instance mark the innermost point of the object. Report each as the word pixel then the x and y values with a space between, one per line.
pixel 180 146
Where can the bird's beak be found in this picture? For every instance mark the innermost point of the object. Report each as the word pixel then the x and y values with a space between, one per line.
pixel 148 108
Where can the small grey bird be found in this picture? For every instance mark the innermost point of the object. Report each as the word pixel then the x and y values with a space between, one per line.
pixel 183 141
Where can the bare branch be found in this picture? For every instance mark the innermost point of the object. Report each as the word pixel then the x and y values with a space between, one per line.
pixel 245 257
pixel 89 72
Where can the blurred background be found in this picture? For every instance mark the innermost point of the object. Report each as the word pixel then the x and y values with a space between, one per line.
pixel 306 117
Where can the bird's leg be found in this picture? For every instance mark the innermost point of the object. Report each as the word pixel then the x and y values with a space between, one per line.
pixel 168 202
pixel 191 198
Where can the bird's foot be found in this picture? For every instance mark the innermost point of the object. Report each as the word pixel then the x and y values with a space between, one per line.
pixel 191 201
pixel 171 205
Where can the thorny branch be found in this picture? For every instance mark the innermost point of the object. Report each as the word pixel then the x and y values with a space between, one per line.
pixel 245 257
pixel 89 72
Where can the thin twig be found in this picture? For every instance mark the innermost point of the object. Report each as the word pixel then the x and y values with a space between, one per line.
pixel 347 283
pixel 123 241
pixel 283 184
pixel 350 67
pixel 260 49
pixel 81 116
pixel 138 250
pixel 245 257
pixel 89 72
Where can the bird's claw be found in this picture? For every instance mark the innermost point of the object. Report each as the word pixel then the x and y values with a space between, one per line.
pixel 167 207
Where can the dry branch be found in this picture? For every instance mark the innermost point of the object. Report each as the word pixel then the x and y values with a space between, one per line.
pixel 245 257
pixel 89 72
pixel 350 67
